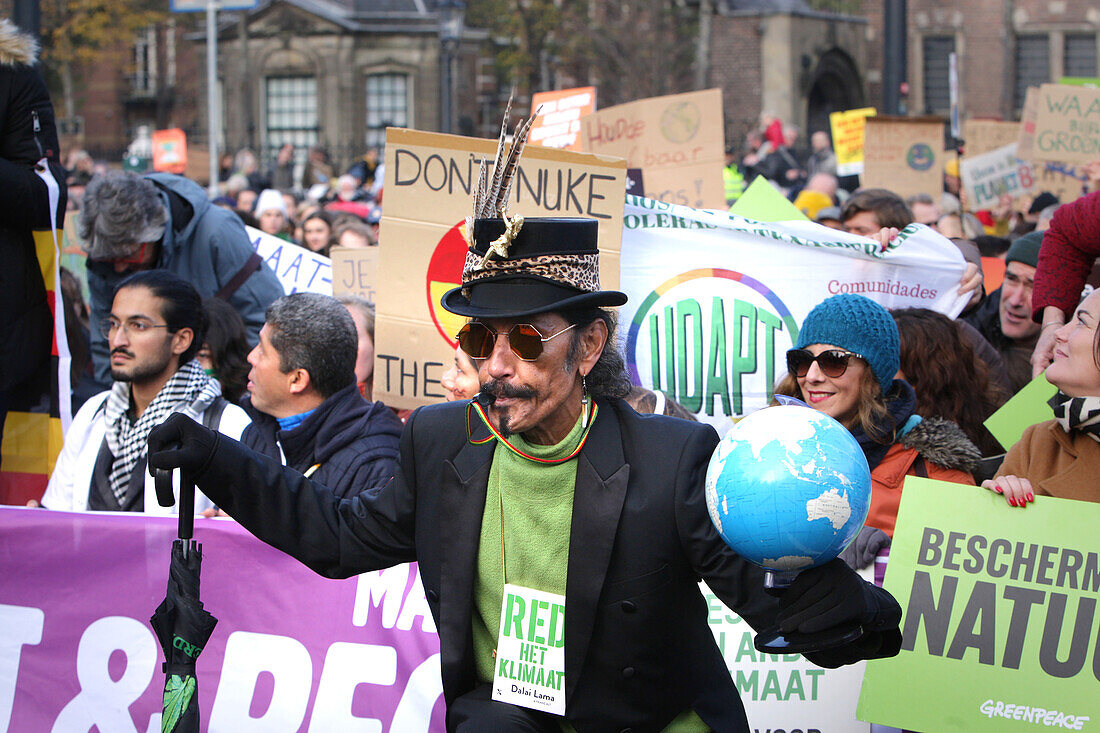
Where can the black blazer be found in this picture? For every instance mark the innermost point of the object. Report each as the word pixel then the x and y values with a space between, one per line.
pixel 638 647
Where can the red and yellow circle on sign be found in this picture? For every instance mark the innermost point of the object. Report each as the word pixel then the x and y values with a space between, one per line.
pixel 444 273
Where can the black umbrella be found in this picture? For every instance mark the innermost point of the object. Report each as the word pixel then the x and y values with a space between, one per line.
pixel 180 622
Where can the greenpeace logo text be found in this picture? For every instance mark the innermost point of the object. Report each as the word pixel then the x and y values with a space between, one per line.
pixel 1026 714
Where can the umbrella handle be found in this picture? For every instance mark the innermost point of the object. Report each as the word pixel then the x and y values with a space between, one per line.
pixel 162 480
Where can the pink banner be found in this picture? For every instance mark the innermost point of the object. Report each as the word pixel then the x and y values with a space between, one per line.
pixel 292 651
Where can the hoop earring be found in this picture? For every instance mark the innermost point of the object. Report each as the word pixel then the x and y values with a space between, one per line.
pixel 586 403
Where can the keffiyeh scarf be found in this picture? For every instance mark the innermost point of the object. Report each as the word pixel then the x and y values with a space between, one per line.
pixel 1077 413
pixel 189 391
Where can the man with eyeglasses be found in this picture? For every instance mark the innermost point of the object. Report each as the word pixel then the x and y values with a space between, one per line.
pixel 131 223
pixel 549 509
pixel 154 329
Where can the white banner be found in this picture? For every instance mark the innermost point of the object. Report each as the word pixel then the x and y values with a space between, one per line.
pixel 298 269
pixel 716 300
pixel 985 177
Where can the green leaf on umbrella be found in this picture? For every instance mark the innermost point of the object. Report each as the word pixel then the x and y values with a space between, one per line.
pixel 178 692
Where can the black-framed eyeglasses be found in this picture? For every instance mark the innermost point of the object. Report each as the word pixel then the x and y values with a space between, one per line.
pixel 832 362
pixel 133 327
pixel 525 341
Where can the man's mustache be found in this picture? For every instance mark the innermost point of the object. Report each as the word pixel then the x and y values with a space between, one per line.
pixel 495 389
pixel 122 351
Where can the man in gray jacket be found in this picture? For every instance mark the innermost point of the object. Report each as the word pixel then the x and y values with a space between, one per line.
pixel 132 223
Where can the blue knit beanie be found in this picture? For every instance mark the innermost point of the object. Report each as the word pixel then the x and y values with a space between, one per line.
pixel 860 325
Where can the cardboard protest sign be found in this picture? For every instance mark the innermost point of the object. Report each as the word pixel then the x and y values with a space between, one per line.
pixel 297 268
pixel 904 155
pixel 428 179
pixel 848 129
pixel 1067 126
pixel 716 300
pixel 559 123
pixel 355 271
pixel 983 136
pixel 988 176
pixel 784 692
pixel 999 603
pixel 1067 182
pixel 677 141
pixel 170 151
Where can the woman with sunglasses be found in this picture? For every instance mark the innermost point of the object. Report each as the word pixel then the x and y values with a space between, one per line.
pixel 1061 457
pixel 844 365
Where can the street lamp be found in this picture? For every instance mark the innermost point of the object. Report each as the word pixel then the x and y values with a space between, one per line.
pixel 452 16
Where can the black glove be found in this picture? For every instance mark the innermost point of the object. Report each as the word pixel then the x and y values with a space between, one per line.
pixel 865 548
pixel 824 597
pixel 180 442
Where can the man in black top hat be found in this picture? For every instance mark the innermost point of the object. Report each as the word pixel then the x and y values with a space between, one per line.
pixel 550 499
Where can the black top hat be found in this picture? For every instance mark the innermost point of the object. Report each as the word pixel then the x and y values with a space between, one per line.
pixel 547 265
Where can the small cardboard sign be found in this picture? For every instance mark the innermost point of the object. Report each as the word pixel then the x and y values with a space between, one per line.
pixel 983 136
pixel 1067 125
pixel 559 124
pixel 848 129
pixel 678 141
pixel 428 197
pixel 903 154
pixel 1028 114
pixel 988 176
pixel 355 271
pixel 529 666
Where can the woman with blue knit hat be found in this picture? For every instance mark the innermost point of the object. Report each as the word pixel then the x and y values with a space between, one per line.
pixel 844 365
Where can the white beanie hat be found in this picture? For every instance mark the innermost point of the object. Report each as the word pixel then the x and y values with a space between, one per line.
pixel 268 199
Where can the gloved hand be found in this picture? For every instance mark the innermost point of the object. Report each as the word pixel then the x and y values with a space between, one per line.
pixel 865 548
pixel 180 442
pixel 821 598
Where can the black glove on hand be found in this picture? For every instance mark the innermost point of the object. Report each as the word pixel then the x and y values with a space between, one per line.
pixel 865 548
pixel 180 442
pixel 823 597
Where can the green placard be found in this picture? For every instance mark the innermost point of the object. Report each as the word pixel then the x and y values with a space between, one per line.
pixel 1000 627
pixel 1081 81
pixel 761 201
pixel 1026 408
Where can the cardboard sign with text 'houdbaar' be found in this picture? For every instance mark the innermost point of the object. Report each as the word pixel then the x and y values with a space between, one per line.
pixel 428 183
pixel 678 143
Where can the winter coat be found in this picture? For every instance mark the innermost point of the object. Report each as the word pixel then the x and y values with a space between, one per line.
pixel 948 455
pixel 27 135
pixel 1070 247
pixel 204 244
pixel 71 480
pixel 353 442
pixel 1056 463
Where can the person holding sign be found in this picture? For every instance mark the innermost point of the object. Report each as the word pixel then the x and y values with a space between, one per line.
pixel 1060 457
pixel 560 534
pixel 844 364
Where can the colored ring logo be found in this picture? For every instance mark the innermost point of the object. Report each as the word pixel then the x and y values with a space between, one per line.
pixel 444 273
pixel 707 272
pixel 920 156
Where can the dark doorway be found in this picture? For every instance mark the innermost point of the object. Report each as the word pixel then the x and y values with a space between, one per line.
pixel 836 87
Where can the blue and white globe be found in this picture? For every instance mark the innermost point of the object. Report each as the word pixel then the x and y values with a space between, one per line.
pixel 788 488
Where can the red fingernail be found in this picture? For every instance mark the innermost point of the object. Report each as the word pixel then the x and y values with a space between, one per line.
pixel 998 489
pixel 1031 497
pixel 1011 501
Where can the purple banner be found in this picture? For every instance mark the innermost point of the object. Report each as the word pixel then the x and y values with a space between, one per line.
pixel 292 651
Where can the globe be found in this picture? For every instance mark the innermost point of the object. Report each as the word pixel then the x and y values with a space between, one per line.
pixel 788 488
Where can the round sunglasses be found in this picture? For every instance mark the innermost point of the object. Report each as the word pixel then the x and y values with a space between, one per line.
pixel 832 362
pixel 525 341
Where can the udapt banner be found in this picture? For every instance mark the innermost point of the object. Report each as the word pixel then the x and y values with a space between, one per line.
pixel 999 609
pixel 716 300
pixel 291 652
pixel 428 197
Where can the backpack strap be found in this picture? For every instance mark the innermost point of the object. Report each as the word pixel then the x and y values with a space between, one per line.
pixel 212 416
pixel 243 274
pixel 919 468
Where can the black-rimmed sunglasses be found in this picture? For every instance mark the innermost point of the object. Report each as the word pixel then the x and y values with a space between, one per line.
pixel 525 341
pixel 832 362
